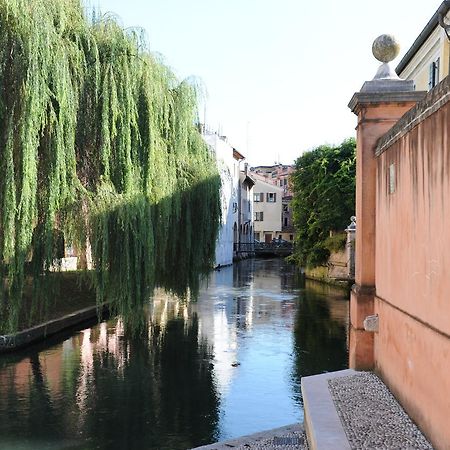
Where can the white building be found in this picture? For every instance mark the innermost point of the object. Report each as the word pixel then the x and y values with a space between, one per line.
pixel 244 230
pixel 228 162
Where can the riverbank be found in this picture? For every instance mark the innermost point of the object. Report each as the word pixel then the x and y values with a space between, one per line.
pixel 341 284
pixel 65 293
pixel 320 274
pixel 74 320
pixel 70 302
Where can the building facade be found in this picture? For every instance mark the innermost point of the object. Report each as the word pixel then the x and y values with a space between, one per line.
pixel 427 61
pixel 244 241
pixel 228 162
pixel 278 175
pixel 267 206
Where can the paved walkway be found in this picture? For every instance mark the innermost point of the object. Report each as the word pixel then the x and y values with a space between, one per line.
pixel 371 416
pixel 285 438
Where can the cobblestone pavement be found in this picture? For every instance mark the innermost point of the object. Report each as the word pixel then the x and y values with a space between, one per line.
pixel 286 438
pixel 372 417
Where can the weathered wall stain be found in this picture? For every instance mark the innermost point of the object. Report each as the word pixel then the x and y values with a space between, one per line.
pixel 412 263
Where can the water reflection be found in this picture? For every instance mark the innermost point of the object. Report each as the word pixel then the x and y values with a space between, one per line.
pixel 199 371
pixel 321 322
pixel 100 389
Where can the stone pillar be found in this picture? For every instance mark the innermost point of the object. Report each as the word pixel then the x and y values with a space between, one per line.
pixel 379 105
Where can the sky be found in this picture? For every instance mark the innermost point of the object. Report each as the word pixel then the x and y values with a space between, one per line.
pixel 278 75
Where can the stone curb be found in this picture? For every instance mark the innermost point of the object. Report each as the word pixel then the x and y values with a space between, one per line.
pixel 253 440
pixel 322 424
pixel 12 342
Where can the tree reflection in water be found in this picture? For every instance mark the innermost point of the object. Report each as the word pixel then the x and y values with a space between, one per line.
pixel 173 383
pixel 320 333
pixel 119 392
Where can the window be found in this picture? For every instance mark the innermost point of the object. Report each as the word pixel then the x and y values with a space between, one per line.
pixel 285 208
pixel 235 208
pixel 291 237
pixel 258 197
pixel 259 216
pixel 285 222
pixel 433 78
pixel 256 235
pixel 271 197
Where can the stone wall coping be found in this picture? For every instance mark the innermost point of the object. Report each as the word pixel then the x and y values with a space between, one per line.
pixel 323 425
pixel 24 338
pixel 361 99
pixel 432 102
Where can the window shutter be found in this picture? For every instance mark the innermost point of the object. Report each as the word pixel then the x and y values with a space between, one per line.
pixel 436 71
pixel 430 76
pixel 274 197
pixel 267 197
pixel 261 197
pixel 433 74
pixel 261 216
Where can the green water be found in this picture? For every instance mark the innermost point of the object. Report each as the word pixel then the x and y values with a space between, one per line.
pixel 227 365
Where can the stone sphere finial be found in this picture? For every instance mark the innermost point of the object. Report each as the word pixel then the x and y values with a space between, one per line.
pixel 385 48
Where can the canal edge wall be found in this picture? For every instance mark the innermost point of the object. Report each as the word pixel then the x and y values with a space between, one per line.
pixel 16 341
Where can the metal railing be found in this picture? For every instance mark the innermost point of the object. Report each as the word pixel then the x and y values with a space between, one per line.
pixel 276 248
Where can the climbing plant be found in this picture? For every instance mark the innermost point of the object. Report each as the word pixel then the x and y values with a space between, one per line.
pixel 98 141
pixel 324 200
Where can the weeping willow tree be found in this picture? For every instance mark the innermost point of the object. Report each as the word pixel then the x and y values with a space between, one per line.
pixel 97 141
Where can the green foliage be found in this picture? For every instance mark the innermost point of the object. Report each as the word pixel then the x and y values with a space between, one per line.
pixel 324 199
pixel 98 141
pixel 336 243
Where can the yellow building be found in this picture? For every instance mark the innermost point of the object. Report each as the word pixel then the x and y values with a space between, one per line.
pixel 267 210
pixel 427 61
pixel 279 174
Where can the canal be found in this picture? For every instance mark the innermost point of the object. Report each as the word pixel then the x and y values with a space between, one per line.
pixel 228 364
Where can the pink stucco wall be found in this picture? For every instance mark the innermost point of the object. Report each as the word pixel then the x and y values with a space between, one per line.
pixel 377 114
pixel 412 265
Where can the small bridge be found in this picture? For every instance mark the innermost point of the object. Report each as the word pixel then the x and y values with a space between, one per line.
pixel 263 249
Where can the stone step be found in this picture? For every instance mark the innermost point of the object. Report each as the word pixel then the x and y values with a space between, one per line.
pixel 290 437
pixel 323 426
